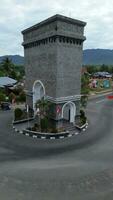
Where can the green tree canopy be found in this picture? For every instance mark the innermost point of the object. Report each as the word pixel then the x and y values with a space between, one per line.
pixel 7 65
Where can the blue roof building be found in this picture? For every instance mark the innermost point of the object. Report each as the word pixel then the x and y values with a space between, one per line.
pixel 7 82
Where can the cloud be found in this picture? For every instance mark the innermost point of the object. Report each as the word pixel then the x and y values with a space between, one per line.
pixel 17 15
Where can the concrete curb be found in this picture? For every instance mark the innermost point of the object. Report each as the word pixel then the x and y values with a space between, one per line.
pixel 36 135
pixel 82 127
pixel 23 120
pixel 91 97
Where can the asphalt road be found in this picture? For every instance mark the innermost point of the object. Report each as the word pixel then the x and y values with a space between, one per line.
pixel 76 168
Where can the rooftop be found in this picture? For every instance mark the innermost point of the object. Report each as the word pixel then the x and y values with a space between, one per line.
pixel 56 17
pixel 6 81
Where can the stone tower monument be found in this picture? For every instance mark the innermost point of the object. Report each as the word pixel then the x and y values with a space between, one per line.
pixel 53 61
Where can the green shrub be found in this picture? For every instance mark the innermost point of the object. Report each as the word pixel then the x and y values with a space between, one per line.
pixel 44 124
pixel 54 130
pixel 12 96
pixel 18 114
pixel 82 113
pixel 83 118
pixel 2 96
pixel 17 91
pixel 22 96
pixel 34 128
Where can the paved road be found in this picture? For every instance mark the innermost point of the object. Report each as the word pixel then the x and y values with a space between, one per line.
pixel 76 168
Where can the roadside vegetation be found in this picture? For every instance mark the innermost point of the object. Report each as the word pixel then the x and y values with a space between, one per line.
pixel 99 68
pixel 17 94
pixel 91 84
pixel 7 68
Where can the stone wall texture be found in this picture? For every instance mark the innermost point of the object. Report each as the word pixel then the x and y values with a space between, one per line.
pixel 53 55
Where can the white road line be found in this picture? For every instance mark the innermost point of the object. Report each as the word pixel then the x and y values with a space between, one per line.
pixel 27 134
pixel 101 100
pixel 43 137
pixel 76 133
pixel 34 136
pixel 61 137
pixel 52 138
pixel 70 135
pixel 84 129
pixel 21 132
pixel 86 126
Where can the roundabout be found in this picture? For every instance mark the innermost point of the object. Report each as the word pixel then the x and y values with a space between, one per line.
pixel 81 166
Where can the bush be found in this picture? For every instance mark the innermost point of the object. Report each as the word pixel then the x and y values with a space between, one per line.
pixel 44 124
pixel 84 100
pixel 34 128
pixel 83 118
pixel 17 91
pixel 54 130
pixel 82 113
pixel 2 96
pixel 22 97
pixel 12 96
pixel 18 114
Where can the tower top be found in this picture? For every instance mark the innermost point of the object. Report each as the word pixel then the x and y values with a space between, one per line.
pixel 54 18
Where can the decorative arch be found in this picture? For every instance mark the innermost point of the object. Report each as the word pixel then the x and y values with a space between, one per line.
pixel 69 111
pixel 38 92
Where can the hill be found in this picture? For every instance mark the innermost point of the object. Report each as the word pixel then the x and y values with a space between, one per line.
pixel 16 59
pixel 90 57
pixel 98 57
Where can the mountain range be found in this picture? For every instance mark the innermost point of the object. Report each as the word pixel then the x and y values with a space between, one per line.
pixel 98 57
pixel 16 59
pixel 90 57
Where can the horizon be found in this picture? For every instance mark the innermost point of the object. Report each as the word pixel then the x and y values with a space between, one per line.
pixel 83 50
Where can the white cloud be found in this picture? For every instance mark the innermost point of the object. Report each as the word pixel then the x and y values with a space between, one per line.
pixel 15 15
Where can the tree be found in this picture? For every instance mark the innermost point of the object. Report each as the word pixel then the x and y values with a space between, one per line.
pixel 12 96
pixel 84 89
pixel 2 96
pixel 43 106
pixel 104 68
pixel 92 69
pixel 7 65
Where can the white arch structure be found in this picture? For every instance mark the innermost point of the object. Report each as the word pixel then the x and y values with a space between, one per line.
pixel 38 92
pixel 72 112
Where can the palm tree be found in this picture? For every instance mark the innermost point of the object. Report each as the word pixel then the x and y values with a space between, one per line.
pixel 7 65
pixel 43 106
pixel 84 90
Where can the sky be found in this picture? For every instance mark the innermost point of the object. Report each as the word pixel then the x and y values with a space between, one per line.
pixel 17 15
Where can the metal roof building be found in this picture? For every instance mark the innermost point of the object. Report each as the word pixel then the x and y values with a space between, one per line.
pixel 6 81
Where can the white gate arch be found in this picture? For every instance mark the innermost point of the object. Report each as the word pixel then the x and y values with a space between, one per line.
pixel 38 92
pixel 72 113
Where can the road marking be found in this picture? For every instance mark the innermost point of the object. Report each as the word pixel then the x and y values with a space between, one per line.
pixel 34 136
pixel 84 129
pixel 61 137
pixel 76 133
pixel 101 101
pixel 21 132
pixel 90 110
pixel 52 138
pixel 70 135
pixel 43 137
pixel 27 134
pixel 16 129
